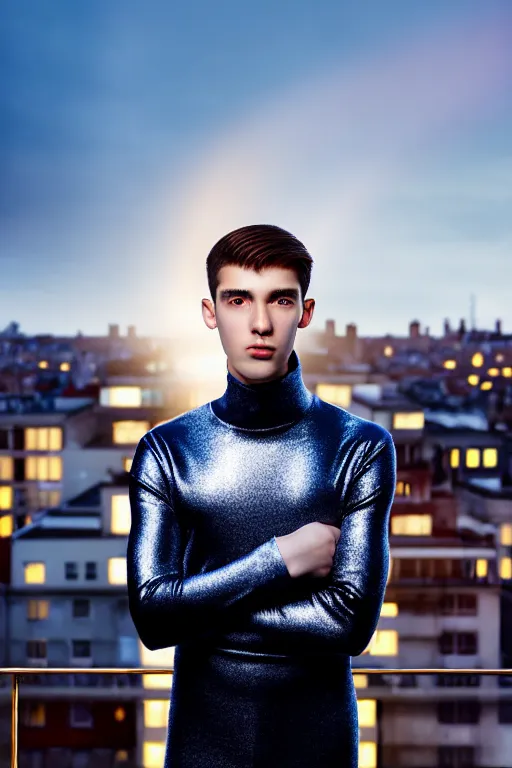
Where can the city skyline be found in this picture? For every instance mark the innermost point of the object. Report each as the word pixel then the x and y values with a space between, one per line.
pixel 132 141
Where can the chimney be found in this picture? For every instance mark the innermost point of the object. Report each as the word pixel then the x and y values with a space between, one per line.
pixel 447 329
pixel 351 338
pixel 113 331
pixel 414 329
pixel 498 327
pixel 330 331
pixel 132 332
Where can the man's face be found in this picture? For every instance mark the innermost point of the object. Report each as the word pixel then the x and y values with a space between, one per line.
pixel 253 308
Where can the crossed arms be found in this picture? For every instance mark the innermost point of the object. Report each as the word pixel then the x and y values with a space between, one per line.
pixel 339 613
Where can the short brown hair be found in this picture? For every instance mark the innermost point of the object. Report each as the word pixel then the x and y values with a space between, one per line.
pixel 256 247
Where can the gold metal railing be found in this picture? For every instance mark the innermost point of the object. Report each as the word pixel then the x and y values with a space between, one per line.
pixel 16 672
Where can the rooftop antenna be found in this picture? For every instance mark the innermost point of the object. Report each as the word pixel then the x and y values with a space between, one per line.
pixel 472 312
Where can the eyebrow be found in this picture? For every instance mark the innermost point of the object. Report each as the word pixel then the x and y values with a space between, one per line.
pixel 231 293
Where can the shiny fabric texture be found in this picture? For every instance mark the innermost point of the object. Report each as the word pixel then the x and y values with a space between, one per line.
pixel 262 673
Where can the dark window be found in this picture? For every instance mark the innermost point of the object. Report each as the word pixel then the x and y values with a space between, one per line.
pixel 18 439
pixel 505 712
pixel 81 608
pixel 464 643
pixel 19 470
pixel 71 571
pixel 81 649
pixel 455 757
pixel 446 642
pixel 463 712
pixel 467 643
pixel 36 649
pixel 408 568
pixel 458 681
pixel 447 605
pixel 4 439
pixel 90 571
pixel 442 568
pixel 466 605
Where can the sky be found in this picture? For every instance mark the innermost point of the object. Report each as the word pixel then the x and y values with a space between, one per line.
pixel 134 135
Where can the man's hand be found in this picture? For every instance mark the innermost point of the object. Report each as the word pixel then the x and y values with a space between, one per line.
pixel 309 549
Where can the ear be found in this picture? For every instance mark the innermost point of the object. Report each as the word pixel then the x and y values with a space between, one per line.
pixel 208 311
pixel 307 313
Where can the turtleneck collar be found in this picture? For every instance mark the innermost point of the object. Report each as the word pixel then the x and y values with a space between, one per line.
pixel 271 404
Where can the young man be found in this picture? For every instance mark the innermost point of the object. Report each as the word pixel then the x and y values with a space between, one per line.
pixel 259 538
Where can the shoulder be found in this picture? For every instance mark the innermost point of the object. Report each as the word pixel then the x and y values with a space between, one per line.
pixel 179 426
pixel 155 446
pixel 358 428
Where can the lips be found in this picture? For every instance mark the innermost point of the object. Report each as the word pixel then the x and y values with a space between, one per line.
pixel 261 346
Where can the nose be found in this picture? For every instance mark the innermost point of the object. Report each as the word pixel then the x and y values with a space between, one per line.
pixel 260 319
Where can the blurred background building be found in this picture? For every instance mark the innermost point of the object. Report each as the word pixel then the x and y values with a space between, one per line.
pixel 71 413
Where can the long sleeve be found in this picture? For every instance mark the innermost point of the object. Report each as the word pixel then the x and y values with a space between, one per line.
pixel 166 608
pixel 342 616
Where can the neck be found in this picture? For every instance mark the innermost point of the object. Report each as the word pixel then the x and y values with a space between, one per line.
pixel 275 403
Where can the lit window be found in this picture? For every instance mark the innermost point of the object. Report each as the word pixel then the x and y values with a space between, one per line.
pixel 506 568
pixel 360 681
pixel 117 570
pixel 161 658
pixel 127 463
pixel 120 714
pixel 450 364
pixel 156 713
pixel 493 371
pixel 472 458
pixel 121 397
pixel 384 643
pixel 499 358
pixel 6 468
pixel 481 568
pixel 48 498
pixel 477 360
pixel 121 756
pixel 411 525
pixel 367 712
pixel 389 609
pixel 157 681
pixel 414 420
pixel 35 573
pixel 454 458
pixel 5 526
pixel 48 468
pixel 43 439
pixel 507 372
pixel 43 364
pixel 129 432
pixel 65 366
pixel 33 714
pixel 5 497
pixel 37 609
pixel 506 534
pixel 490 457
pixel 367 754
pixel 338 394
pixel 403 488
pixel 121 514
pixel 388 351
pixel 473 379
pixel 486 385
pixel 153 754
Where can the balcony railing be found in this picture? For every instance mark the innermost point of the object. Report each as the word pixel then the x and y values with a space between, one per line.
pixel 78 673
